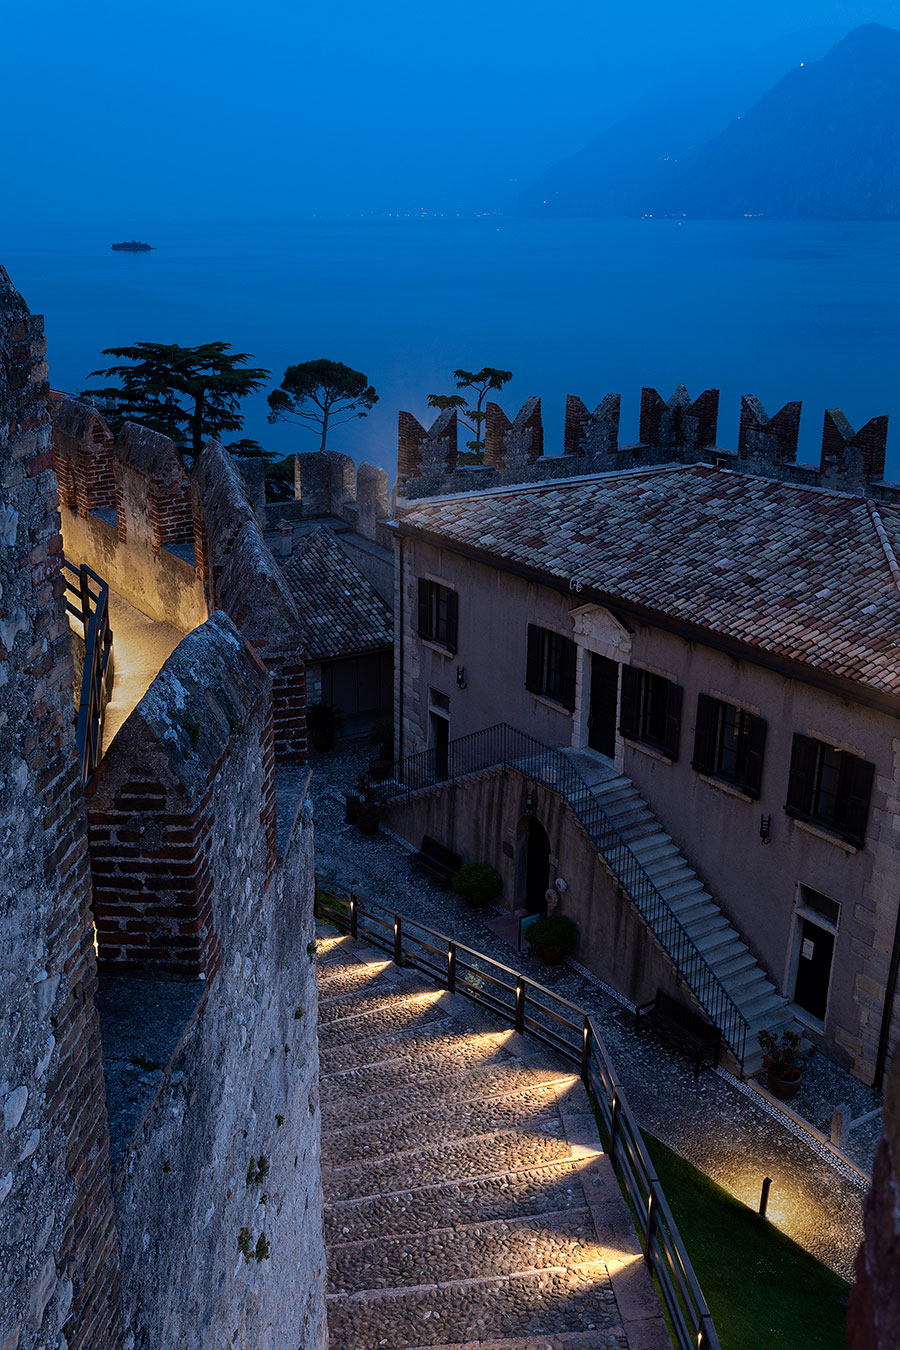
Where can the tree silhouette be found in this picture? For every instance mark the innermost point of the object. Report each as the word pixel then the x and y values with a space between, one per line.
pixel 317 393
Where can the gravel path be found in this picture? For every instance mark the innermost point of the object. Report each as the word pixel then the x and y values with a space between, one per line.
pixel 721 1126
pixel 468 1202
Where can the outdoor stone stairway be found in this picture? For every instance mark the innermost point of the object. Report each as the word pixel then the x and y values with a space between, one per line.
pixel 468 1204
pixel 721 945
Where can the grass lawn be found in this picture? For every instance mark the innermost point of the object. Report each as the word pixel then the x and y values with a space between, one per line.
pixel 762 1289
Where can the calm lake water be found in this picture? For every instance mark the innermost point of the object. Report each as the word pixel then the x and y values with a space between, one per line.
pixel 783 311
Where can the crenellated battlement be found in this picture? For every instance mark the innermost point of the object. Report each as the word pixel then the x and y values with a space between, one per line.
pixel 677 430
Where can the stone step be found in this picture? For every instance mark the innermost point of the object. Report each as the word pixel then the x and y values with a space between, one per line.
pixel 654 845
pixel 459 1160
pixel 741 982
pixel 540 1189
pixel 345 1102
pixel 445 1040
pixel 335 978
pixel 523 1304
pixel 464 1252
pixel 366 1002
pixel 567 1340
pixel 388 1017
pixel 531 1108
pixel 410 1060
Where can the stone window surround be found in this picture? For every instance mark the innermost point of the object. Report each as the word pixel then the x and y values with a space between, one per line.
pixel 595 632
pixel 801 912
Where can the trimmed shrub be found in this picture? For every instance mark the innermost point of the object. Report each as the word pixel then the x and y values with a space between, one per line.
pixel 553 933
pixel 478 883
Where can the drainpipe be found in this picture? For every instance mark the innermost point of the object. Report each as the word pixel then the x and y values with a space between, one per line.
pixel 887 1010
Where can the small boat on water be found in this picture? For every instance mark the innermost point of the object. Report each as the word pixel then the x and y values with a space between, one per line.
pixel 132 246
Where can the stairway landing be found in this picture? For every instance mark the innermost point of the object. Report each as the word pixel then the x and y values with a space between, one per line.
pixel 469 1205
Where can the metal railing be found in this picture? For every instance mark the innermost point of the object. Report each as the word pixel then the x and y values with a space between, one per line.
pixel 91 607
pixel 533 1009
pixel 504 746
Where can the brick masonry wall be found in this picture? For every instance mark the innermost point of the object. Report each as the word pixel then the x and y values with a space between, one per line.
pixel 677 430
pixel 154 804
pixel 83 456
pixel 59 1278
pixel 242 1085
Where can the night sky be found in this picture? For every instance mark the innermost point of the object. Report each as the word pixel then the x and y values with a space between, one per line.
pixel 279 110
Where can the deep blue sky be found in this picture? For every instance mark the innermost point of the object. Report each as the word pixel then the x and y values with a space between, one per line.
pixel 280 109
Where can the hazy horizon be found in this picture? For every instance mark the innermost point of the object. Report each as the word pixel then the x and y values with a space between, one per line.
pixel 203 113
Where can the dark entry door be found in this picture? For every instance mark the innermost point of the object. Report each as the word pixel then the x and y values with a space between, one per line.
pixel 813 968
pixel 604 705
pixel 537 868
pixel 440 739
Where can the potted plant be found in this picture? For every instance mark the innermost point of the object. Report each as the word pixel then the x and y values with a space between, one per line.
pixel 381 737
pixel 324 721
pixel 552 937
pixel 368 817
pixel 477 883
pixel 784 1062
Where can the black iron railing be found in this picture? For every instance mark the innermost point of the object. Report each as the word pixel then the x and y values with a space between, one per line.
pixel 89 603
pixel 533 1009
pixel 503 746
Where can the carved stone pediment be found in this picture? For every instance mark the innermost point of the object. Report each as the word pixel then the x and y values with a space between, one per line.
pixel 596 629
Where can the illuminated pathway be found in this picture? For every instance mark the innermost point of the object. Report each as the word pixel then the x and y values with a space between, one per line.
pixel 141 646
pixel 468 1203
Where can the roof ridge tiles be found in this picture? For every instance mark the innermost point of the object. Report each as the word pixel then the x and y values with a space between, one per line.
pixel 885 542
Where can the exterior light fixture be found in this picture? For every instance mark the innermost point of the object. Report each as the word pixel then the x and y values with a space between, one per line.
pixel 765 828
pixel 764 1196
pixel 460 677
pixel 530 801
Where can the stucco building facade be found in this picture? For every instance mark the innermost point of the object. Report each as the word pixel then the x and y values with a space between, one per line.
pixel 717 652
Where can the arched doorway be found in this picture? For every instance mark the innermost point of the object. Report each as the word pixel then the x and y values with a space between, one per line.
pixel 536 851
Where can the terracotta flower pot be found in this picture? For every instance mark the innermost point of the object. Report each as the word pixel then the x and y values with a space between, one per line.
pixel 550 957
pixel 783 1088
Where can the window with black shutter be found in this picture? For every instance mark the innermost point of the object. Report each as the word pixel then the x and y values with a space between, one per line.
pixel 830 787
pixel 650 710
pixel 550 665
pixel 438 614
pixel 729 744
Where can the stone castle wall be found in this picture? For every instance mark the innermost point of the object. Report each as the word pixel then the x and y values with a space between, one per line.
pixel 241 1085
pixel 139 477
pixel 242 578
pixel 677 430
pixel 59 1274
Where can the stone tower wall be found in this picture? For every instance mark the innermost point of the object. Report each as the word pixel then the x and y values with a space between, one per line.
pixel 59 1273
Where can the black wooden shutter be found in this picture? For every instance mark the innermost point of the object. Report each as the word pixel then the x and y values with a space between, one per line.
pixel 704 760
pixel 753 761
pixel 802 775
pixel 424 608
pixel 534 659
pixel 452 620
pixel 674 695
pixel 862 776
pixel 569 655
pixel 628 707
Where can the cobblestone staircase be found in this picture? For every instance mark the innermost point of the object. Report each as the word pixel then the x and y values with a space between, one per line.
pixel 720 944
pixel 468 1203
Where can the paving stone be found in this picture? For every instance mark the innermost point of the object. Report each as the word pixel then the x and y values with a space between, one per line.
pixel 529 1108
pixel 547 1188
pixel 526 1304
pixel 501 1247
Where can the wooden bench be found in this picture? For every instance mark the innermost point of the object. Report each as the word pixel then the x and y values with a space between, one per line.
pixel 436 861
pixel 683 1027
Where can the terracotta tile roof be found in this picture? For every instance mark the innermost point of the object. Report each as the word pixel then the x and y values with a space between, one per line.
pixel 803 572
pixel 341 612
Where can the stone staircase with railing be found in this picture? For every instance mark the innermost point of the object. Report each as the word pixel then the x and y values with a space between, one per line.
pixel 709 954
pixel 468 1202
pixel 719 942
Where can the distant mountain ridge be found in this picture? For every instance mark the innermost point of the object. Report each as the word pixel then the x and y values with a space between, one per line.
pixel 822 144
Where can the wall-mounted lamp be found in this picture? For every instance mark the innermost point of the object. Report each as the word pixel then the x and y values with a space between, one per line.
pixel 765 828
pixel 529 801
pixel 460 677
